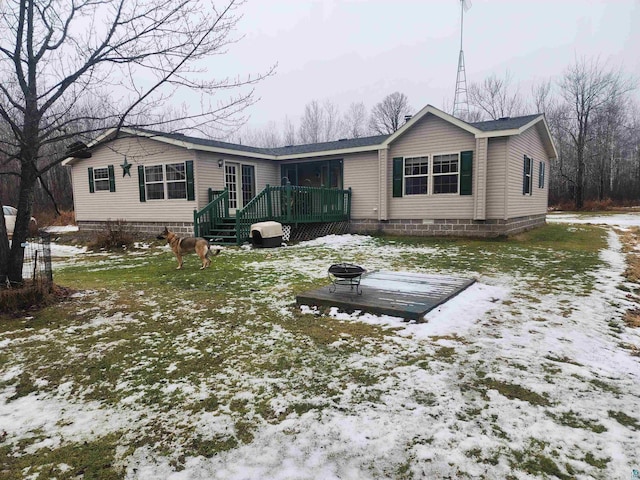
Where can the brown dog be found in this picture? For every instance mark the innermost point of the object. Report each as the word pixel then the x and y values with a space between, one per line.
pixel 182 245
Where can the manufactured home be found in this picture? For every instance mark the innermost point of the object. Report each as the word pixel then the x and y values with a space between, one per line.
pixel 436 175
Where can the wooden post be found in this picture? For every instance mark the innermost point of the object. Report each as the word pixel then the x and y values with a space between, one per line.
pixel 267 191
pixel 288 202
pixel 196 228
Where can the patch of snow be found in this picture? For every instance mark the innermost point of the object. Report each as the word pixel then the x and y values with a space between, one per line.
pixel 616 220
pixel 61 228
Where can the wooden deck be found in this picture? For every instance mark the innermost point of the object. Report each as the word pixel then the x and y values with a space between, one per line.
pixel 399 294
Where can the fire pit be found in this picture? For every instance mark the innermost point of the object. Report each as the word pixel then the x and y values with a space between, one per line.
pixel 346 274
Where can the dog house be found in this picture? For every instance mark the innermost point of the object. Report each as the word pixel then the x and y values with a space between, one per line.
pixel 266 234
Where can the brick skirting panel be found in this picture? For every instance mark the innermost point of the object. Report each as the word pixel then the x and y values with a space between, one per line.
pixel 424 228
pixel 142 229
pixel 449 227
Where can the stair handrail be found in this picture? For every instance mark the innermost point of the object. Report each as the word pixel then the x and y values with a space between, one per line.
pixel 210 216
pixel 258 209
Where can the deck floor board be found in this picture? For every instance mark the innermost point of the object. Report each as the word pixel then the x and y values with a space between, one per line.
pixel 399 294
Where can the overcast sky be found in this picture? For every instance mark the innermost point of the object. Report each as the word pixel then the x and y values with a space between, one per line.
pixel 362 50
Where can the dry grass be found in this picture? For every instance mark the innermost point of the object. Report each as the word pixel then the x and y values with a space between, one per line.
pixel 51 218
pixel 630 241
pixel 605 205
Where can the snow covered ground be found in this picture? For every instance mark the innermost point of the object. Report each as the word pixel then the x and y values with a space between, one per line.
pixel 616 220
pixel 500 382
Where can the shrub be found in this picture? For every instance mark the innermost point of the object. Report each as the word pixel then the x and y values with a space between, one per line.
pixel 118 235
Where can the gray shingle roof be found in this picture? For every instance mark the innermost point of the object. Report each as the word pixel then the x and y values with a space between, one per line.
pixel 342 144
pixel 487 126
pixel 507 123
pixel 328 146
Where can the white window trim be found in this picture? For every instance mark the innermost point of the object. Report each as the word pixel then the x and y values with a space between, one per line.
pixel 405 176
pixel 95 181
pixel 433 175
pixel 165 182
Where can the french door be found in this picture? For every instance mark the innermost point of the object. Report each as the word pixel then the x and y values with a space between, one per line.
pixel 240 181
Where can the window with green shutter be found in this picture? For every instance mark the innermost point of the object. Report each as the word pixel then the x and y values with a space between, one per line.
pixel 466 172
pixel 112 179
pixel 143 196
pixel 102 179
pixel 527 176
pixel 397 176
pixel 92 187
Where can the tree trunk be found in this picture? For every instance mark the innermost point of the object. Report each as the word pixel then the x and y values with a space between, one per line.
pixel 4 250
pixel 580 182
pixel 21 231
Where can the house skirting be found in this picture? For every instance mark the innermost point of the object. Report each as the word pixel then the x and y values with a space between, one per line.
pixel 449 227
pixel 143 229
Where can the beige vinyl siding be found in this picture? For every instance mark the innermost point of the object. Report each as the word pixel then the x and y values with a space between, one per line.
pixel 210 175
pixel 125 203
pixel 480 180
pixel 518 205
pixel 361 174
pixel 430 136
pixel 496 175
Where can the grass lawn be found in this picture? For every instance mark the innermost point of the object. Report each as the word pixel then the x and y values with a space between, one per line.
pixel 150 372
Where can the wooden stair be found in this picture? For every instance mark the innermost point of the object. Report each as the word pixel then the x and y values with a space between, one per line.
pixel 224 233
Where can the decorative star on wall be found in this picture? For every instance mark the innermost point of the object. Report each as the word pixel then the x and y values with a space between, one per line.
pixel 126 167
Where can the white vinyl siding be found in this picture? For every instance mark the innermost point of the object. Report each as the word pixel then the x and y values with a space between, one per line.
pixel 430 136
pixel 528 143
pixel 210 175
pixel 360 172
pixel 125 203
pixel 496 177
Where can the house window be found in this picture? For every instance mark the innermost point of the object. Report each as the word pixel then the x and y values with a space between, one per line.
pixel 527 176
pixel 176 181
pixel 416 175
pixel 541 175
pixel 446 172
pixel 165 181
pixel 101 179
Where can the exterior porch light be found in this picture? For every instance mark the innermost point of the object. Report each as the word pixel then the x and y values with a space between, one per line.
pixel 220 163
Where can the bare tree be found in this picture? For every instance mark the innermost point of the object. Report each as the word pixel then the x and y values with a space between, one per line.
pixel 388 115
pixel 267 136
pixel 496 97
pixel 320 123
pixel 312 123
pixel 355 120
pixel 289 132
pixel 332 124
pixel 587 88
pixel 56 55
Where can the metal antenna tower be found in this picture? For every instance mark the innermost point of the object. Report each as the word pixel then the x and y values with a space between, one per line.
pixel 460 101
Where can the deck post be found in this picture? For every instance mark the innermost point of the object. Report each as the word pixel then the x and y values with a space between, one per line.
pixel 348 212
pixel 196 227
pixel 269 206
pixel 288 202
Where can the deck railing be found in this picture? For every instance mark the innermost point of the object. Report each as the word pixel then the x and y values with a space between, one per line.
pixel 292 205
pixel 207 219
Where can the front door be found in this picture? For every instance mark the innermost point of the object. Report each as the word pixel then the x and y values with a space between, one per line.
pixel 240 180
pixel 233 184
